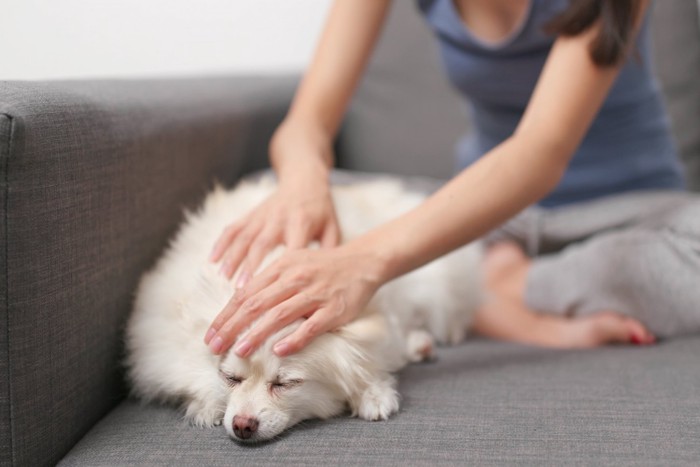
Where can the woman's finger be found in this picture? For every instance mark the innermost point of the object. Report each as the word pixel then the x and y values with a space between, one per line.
pixel 239 297
pixel 331 236
pixel 238 250
pixel 298 233
pixel 266 240
pixel 245 314
pixel 244 307
pixel 227 236
pixel 269 275
pixel 316 324
pixel 275 319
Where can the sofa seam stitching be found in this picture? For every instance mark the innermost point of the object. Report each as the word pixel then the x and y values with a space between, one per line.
pixel 5 166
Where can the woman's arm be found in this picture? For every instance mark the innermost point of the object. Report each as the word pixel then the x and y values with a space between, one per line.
pixel 330 287
pixel 301 149
pixel 344 48
pixel 517 173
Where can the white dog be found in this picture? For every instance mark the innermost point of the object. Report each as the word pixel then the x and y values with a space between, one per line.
pixel 259 397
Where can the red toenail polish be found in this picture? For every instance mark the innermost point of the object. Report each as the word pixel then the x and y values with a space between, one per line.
pixel 635 340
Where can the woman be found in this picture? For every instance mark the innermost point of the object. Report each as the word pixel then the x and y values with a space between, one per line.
pixel 569 118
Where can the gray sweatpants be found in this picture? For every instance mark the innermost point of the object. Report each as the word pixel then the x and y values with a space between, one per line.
pixel 635 253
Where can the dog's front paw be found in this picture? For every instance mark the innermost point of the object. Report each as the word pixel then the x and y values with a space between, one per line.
pixel 204 414
pixel 378 402
pixel 420 346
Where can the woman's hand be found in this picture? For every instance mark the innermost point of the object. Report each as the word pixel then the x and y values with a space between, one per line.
pixel 329 287
pixel 300 211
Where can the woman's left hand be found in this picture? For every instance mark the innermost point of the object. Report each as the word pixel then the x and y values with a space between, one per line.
pixel 329 287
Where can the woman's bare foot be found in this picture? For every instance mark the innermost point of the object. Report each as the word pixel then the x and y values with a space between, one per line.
pixel 504 315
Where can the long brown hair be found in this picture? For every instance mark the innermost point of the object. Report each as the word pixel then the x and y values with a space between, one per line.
pixel 617 23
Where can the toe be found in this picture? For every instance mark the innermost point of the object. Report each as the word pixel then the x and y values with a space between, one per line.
pixel 615 328
pixel 638 333
pixel 611 327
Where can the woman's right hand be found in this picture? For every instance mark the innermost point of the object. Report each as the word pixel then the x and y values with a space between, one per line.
pixel 300 211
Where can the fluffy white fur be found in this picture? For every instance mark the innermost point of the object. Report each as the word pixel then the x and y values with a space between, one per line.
pixel 176 301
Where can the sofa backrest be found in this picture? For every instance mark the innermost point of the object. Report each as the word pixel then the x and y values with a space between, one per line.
pixel 406 119
pixel 676 29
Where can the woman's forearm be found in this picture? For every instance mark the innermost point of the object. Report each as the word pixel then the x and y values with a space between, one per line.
pixel 514 175
pixel 509 178
pixel 343 50
pixel 345 46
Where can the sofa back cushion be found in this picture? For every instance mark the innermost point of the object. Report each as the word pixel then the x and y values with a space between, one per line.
pixel 676 29
pixel 93 179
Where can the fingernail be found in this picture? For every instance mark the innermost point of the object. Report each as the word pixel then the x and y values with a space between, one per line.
pixel 212 255
pixel 216 344
pixel 242 280
pixel 210 333
pixel 635 340
pixel 242 348
pixel 281 349
pixel 222 269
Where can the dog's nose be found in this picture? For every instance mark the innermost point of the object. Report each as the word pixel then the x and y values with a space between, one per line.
pixel 244 427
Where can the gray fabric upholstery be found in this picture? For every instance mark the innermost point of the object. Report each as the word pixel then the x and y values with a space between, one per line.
pixel 481 403
pixel 405 118
pixel 676 30
pixel 5 426
pixel 94 179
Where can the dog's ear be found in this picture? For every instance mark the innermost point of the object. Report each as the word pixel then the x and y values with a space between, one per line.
pixel 378 337
pixel 368 328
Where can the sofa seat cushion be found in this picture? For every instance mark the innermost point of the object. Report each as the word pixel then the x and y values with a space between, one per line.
pixel 480 403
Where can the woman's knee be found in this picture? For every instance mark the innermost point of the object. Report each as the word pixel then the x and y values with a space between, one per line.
pixel 685 220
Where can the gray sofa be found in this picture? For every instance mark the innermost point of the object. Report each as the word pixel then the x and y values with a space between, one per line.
pixel 93 179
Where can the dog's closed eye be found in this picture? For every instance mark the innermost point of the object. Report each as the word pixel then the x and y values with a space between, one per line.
pixel 281 385
pixel 231 380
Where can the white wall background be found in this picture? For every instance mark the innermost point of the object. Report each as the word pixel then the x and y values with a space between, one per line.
pixel 54 39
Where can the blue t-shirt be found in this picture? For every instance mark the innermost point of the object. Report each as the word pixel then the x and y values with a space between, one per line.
pixel 629 144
